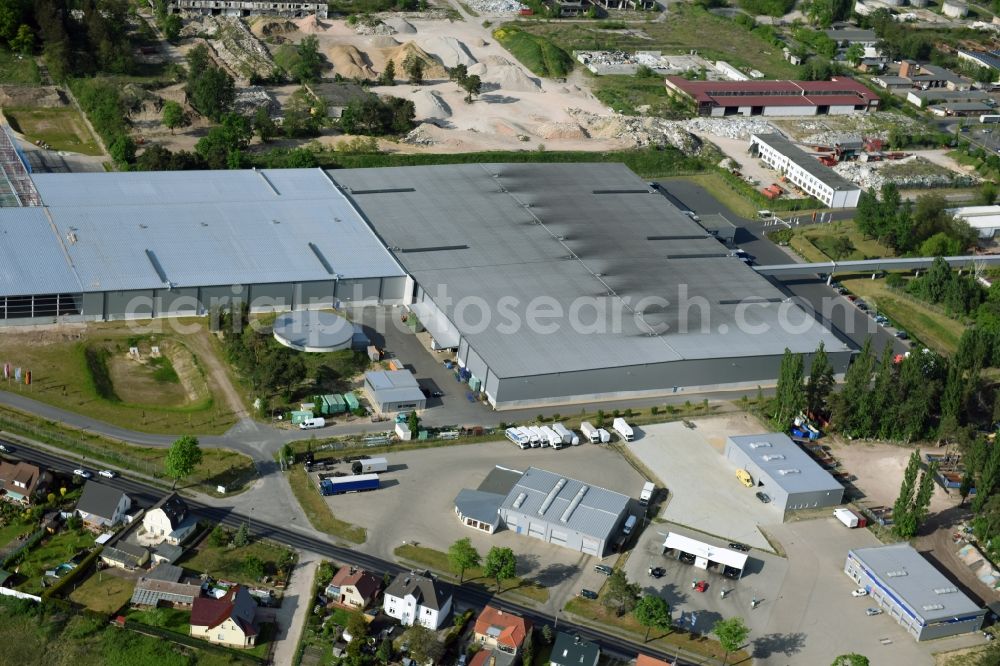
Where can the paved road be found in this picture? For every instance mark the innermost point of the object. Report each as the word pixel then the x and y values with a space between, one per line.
pixel 311 541
pixel 846 321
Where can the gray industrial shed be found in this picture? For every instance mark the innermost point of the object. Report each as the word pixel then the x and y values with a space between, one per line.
pixel 394 391
pixel 636 298
pixel 913 592
pixel 784 471
pixel 137 245
pixel 564 511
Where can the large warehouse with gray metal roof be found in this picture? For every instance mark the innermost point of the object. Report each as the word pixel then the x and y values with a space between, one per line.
pixel 556 283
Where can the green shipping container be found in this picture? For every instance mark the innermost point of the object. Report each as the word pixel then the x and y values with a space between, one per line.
pixel 300 416
pixel 352 401
pixel 335 403
pixel 475 383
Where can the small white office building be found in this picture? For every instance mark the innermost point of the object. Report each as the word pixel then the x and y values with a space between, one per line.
pixel 805 171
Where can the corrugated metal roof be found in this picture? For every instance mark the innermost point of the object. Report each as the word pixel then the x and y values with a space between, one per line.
pixel 775 451
pixel 597 509
pixel 469 235
pixel 394 385
pixel 31 258
pixel 729 558
pixel 915 582
pixel 203 228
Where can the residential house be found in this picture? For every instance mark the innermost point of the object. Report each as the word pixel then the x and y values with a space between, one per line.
pixel 229 620
pixel 353 588
pixel 22 482
pixel 571 650
pixel 163 587
pixel 169 520
pixel 417 598
pixel 643 660
pixel 125 555
pixel 502 633
pixel 102 506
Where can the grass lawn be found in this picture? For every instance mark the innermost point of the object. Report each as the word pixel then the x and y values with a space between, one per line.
pixel 227 563
pixel 924 323
pixel 63 128
pixel 173 619
pixel 317 509
pixel 625 93
pixel 627 624
pixel 822 236
pixel 51 552
pixel 539 53
pixel 18 70
pixel 438 561
pixel 65 375
pixel 686 27
pixel 103 592
pixel 11 531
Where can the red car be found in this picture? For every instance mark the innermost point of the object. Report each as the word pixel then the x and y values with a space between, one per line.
pixel 701 586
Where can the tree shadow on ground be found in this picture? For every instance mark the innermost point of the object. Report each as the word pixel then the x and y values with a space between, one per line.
pixel 771 644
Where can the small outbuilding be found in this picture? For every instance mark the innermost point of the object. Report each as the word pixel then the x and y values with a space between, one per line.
pixel 780 468
pixel 394 391
pixel 705 556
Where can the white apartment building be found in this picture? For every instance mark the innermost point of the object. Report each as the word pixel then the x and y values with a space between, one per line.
pixel 805 171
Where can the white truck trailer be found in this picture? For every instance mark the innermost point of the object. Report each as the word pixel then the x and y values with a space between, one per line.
pixel 605 435
pixel 554 439
pixel 568 436
pixel 623 429
pixel 543 439
pixel 647 493
pixel 847 517
pixel 519 438
pixel 590 432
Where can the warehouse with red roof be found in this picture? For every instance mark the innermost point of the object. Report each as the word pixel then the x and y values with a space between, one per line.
pixel 838 96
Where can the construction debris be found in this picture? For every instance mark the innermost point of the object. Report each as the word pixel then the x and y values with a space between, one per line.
pixel 496 6
pixel 241 51
pixel 251 98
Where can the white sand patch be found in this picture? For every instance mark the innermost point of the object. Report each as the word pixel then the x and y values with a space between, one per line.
pixel 506 77
pixel 448 50
pixel 401 25
pixel 429 105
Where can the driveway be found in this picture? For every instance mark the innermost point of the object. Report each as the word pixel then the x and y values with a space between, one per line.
pixel 294 610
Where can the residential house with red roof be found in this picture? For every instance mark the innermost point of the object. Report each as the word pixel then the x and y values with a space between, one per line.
pixel 229 620
pixel 500 633
pixel 353 587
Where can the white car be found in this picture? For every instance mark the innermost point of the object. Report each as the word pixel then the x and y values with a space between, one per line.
pixel 4 448
pixel 860 592
pixel 82 473
pixel 108 473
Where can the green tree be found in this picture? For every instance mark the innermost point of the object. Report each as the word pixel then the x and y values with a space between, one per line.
pixel 414 68
pixel 471 84
pixel 182 459
pixel 388 75
pixel 172 25
pixel 173 115
pixel 413 422
pixel 789 396
pixel 309 64
pixel 820 382
pixel 528 649
pixel 987 191
pixel 424 645
pixel 841 247
pixel 852 659
pixel 265 127
pixel 903 519
pixel 462 555
pixel 219 537
pixel 653 612
pixel 458 72
pixel 853 401
pixel 357 627
pixel 288 454
pixel 242 537
pixel 547 634
pixel 253 567
pixel 619 594
pixel 24 41
pixel 500 565
pixel 384 653
pixel 732 635
pixel 855 54
pixel 211 91
pixel 13 14
pixel 966 486
pixel 122 149
pixel 922 501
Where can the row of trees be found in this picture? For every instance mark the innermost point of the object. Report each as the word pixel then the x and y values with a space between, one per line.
pixel 791 397
pixel 958 293
pixel 907 228
pixel 267 367
pixel 910 510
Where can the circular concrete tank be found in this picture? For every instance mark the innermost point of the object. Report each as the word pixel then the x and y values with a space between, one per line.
pixel 313 331
pixel 954 9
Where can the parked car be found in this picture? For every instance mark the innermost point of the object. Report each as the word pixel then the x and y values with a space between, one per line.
pixel 763 497
pixel 657 572
pixel 588 594
pixel 6 448
pixel 902 335
pixel 82 473
pixel 108 473
pixel 873 611
pixel 742 547
pixel 604 569
pixel 859 592
pixel 700 586
pixel 437 394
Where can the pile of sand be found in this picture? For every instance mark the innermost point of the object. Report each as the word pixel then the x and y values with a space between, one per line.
pixel 432 68
pixel 349 62
pixel 401 25
pixel 561 131
pixel 266 28
pixel 311 25
pixel 448 50
pixel 428 105
pixel 506 77
pixel 384 42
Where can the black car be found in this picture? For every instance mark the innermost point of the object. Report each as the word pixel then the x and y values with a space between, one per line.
pixel 588 594
pixel 657 572
pixel 763 497
pixel 742 547
pixel 902 335
pixel 437 394
pixel 687 558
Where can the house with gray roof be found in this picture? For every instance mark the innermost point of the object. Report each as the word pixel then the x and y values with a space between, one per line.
pixel 102 506
pixel 572 650
pixel 913 592
pixel 415 598
pixel 169 520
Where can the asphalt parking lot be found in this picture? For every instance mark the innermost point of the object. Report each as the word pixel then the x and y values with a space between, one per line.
pixel 689 461
pixel 416 504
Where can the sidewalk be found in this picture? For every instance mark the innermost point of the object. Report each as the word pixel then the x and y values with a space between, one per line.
pixel 295 606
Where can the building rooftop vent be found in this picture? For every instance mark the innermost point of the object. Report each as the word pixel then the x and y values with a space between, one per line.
pixel 573 504
pixel 757 445
pixel 520 500
pixel 784 472
pixel 945 590
pixel 896 574
pixel 551 497
pixel 772 456
pixel 932 607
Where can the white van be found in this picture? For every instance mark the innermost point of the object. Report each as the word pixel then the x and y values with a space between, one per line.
pixel 312 424
pixel 629 525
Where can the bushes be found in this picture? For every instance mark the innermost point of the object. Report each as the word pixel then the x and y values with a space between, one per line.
pixel 107 113
pixel 536 53
pixel 768 7
pixel 377 117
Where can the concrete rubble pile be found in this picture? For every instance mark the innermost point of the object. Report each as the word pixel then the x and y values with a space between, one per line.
pixel 200 26
pixel 249 99
pixel 872 175
pixel 418 137
pixel 241 51
pixel 377 28
pixel 637 131
pixel 729 128
pixel 496 6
